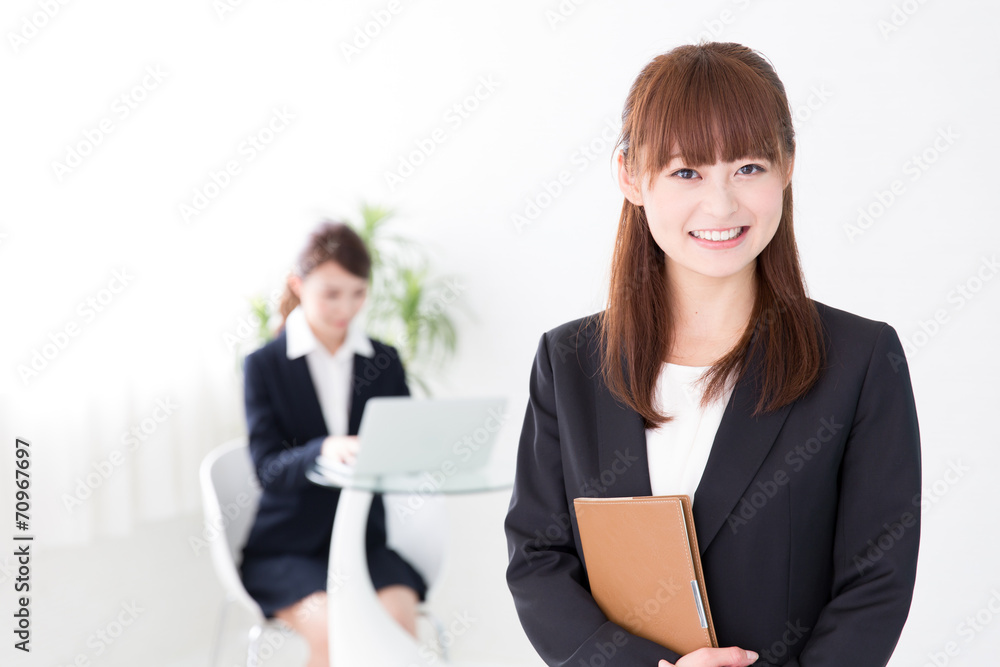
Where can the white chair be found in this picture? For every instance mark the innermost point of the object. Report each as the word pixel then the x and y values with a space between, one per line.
pixel 230 494
pixel 416 527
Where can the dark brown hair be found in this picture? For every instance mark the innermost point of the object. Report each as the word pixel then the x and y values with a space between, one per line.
pixel 712 101
pixel 329 241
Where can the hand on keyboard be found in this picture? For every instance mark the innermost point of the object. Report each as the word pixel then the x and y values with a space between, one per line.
pixel 343 448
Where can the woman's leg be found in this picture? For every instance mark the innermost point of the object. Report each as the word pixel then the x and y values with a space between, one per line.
pixel 401 603
pixel 308 618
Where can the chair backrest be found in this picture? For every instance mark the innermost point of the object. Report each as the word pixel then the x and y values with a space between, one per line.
pixel 417 529
pixel 230 495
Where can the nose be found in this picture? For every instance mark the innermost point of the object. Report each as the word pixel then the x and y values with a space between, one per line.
pixel 720 200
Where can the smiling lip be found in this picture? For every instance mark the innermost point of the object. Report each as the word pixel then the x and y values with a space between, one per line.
pixel 720 245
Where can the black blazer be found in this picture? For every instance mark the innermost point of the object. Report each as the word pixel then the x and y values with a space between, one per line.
pixel 286 432
pixel 807 519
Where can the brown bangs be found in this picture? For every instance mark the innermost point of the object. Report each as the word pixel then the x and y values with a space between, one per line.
pixel 704 107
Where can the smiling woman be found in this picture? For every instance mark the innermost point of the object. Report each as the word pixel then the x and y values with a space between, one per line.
pixel 790 423
pixel 707 146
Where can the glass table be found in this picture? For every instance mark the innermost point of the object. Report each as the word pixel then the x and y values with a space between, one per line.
pixel 361 631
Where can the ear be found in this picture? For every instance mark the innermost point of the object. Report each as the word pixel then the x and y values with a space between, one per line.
pixel 626 183
pixel 788 176
pixel 295 284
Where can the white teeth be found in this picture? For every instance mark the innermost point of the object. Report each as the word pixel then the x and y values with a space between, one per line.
pixel 718 236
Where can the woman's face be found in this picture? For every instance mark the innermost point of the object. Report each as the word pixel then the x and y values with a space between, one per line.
pixel 739 199
pixel 330 296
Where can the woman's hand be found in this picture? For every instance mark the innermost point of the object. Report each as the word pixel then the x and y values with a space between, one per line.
pixel 343 448
pixel 730 656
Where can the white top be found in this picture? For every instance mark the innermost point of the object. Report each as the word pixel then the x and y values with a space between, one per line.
pixel 331 373
pixel 678 450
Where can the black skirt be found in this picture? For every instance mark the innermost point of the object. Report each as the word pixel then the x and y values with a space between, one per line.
pixel 278 580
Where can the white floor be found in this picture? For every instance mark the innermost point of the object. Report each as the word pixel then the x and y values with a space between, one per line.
pixel 142 600
pixel 148 599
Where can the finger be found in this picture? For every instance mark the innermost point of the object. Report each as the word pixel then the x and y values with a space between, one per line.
pixel 664 663
pixel 728 656
pixel 741 658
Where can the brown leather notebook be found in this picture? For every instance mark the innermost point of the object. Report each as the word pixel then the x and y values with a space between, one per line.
pixel 641 556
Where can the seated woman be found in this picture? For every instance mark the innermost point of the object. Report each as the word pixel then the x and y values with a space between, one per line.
pixel 304 397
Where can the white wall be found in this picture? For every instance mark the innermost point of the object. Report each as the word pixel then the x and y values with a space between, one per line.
pixel 866 101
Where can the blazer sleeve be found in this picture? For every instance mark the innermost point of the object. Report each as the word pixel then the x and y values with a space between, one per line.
pixel 545 573
pixel 878 521
pixel 280 466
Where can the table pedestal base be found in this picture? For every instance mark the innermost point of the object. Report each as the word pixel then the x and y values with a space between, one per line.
pixel 362 633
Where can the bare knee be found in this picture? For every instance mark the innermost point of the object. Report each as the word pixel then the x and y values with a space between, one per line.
pixel 401 603
pixel 308 617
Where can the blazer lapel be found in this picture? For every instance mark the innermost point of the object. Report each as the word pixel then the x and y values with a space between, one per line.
pixel 299 383
pixel 740 446
pixel 360 392
pixel 312 413
pixel 311 420
pixel 620 436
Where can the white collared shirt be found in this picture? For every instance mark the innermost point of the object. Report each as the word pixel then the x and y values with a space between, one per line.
pixel 678 450
pixel 331 373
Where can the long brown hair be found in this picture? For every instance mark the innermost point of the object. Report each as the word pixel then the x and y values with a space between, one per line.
pixel 713 101
pixel 329 241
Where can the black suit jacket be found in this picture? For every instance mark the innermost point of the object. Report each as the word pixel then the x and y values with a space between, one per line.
pixel 807 519
pixel 286 432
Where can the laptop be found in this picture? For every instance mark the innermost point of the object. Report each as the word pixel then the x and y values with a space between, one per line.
pixel 403 434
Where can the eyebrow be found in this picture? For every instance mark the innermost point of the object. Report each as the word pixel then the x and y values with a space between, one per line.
pixel 748 158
